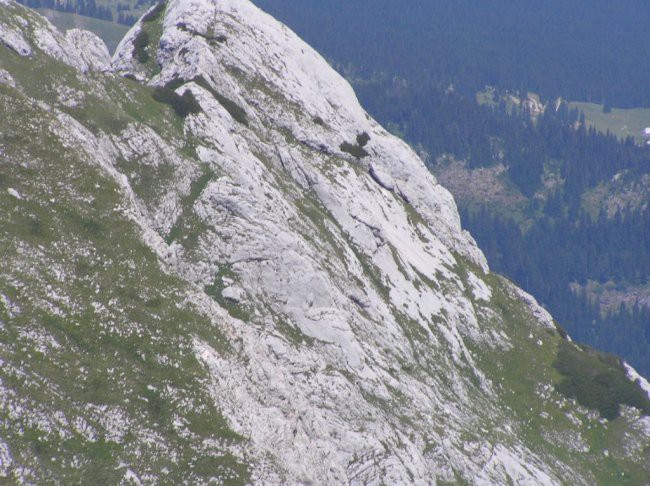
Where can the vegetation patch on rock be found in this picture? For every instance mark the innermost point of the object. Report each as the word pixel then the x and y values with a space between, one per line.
pixel 597 380
pixel 236 112
pixel 140 44
pixel 154 13
pixel 183 105
pixel 357 150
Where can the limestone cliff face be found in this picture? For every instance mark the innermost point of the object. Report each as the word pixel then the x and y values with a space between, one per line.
pixel 337 322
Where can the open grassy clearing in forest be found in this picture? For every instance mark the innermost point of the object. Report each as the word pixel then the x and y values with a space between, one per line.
pixel 620 122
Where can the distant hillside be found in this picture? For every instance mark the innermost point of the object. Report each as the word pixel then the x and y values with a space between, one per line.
pixel 583 50
pixel 110 32
pixel 124 12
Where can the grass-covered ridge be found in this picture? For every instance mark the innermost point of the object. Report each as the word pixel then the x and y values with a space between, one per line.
pixel 527 381
pixel 96 345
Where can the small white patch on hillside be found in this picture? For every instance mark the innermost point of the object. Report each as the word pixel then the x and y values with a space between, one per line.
pixel 542 315
pixel 13 39
pixel 5 460
pixel 6 78
pixel 91 49
pixel 14 193
pixel 131 478
pixel 505 467
pixel 633 375
pixel 49 41
pixel 70 98
pixel 41 340
pixel 12 309
pixel 479 289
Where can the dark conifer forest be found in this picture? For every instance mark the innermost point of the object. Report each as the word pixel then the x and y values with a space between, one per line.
pixel 89 8
pixel 583 50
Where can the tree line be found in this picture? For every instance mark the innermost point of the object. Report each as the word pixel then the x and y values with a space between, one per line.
pixel 554 253
pixel 89 8
pixel 583 50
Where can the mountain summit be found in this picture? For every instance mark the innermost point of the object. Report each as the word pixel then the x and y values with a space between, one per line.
pixel 217 267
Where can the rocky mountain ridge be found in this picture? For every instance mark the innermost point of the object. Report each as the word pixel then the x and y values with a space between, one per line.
pixel 220 268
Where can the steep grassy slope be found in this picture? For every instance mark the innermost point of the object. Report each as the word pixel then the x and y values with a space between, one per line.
pixel 98 371
pixel 229 296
